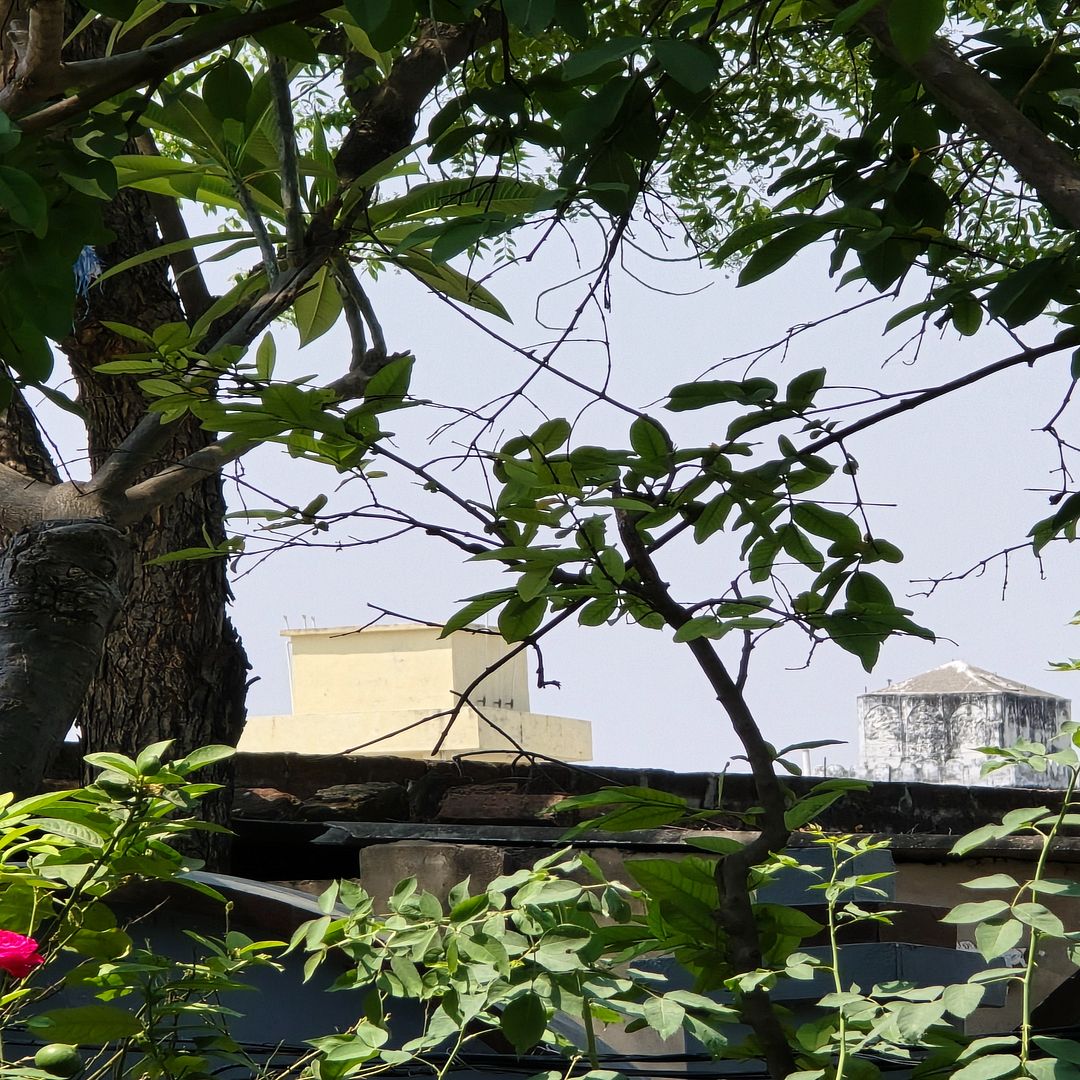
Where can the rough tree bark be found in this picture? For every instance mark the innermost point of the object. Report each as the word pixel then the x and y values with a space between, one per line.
pixel 172 666
pixel 60 589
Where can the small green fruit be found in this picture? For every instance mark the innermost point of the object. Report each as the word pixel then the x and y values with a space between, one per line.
pixel 59 1059
pixel 149 764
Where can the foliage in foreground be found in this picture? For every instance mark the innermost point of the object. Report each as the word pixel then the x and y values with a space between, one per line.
pixel 545 960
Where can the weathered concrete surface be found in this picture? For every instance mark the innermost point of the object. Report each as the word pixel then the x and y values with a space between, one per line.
pixel 930 727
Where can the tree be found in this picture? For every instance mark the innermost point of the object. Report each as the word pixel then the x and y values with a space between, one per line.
pixel 956 163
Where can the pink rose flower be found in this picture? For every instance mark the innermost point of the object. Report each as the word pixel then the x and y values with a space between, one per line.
pixel 18 954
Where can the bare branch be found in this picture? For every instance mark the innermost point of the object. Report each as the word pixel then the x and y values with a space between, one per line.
pixel 355 292
pixel 735 913
pixel 1026 356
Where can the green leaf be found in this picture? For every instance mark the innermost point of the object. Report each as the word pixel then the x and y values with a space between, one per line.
pixel 523 1021
pixel 689 63
pixel 1063 1049
pixel 798 546
pixel 23 199
pixel 828 524
pixel 85 1024
pixel 9 133
pixel 634 808
pixel 532 16
pixel 1052 1069
pixel 598 611
pixel 449 282
pixel 706 392
pixel 288 40
pixel 963 998
pixel 699 627
pixel 163 250
pixel 386 22
pixel 649 440
pixel 664 1016
pixel 850 15
pixel 474 609
pixel 203 756
pixel 586 61
pixel 967 315
pixel 318 307
pixel 988 1067
pixel 976 838
pixel 25 349
pixel 559 948
pixel 964 914
pixel 809 807
pixel 781 250
pixel 391 381
pixel 265 357
pixel 802 389
pixel 115 762
pixel 1040 918
pixel 912 1020
pixel 226 90
pixel 992 881
pixel 521 618
pixel 913 24
pixel 994 939
pixel 712 517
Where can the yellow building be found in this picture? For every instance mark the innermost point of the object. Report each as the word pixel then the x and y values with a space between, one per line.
pixel 381 690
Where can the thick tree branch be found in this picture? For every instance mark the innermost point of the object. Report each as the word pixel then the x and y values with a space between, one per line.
pixel 166 485
pixel 1039 161
pixel 104 78
pixel 37 49
pixel 149 436
pixel 360 303
pixel 60 589
pixel 735 913
pixel 22 499
pixel 387 115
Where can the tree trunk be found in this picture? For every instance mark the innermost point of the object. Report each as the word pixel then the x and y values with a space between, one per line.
pixel 60 589
pixel 173 666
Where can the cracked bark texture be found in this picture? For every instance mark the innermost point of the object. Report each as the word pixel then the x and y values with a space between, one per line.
pixel 173 666
pixel 60 588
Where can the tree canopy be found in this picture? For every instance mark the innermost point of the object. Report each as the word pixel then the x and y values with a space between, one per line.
pixel 926 145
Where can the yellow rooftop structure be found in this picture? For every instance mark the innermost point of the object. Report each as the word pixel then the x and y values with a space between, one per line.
pixel 387 690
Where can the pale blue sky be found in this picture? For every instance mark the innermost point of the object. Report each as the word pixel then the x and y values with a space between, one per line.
pixel 957 471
